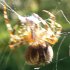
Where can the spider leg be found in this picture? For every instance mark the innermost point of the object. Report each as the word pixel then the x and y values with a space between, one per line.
pixel 14 38
pixel 11 45
pixel 51 15
pixel 8 25
pixel 55 27
pixel 16 41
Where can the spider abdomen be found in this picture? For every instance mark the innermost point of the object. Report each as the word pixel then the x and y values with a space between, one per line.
pixel 39 55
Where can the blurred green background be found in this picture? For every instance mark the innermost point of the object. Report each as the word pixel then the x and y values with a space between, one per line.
pixel 14 60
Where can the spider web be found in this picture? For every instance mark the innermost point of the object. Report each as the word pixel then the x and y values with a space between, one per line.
pixel 57 54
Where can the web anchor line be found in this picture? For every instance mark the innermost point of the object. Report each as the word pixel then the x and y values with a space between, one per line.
pixel 58 52
pixel 69 50
pixel 65 33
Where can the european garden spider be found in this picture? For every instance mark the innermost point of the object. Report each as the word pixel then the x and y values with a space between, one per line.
pixel 35 32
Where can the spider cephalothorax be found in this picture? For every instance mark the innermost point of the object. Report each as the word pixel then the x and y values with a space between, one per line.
pixel 38 33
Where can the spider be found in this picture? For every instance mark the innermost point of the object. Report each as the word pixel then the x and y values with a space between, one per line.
pixel 35 32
